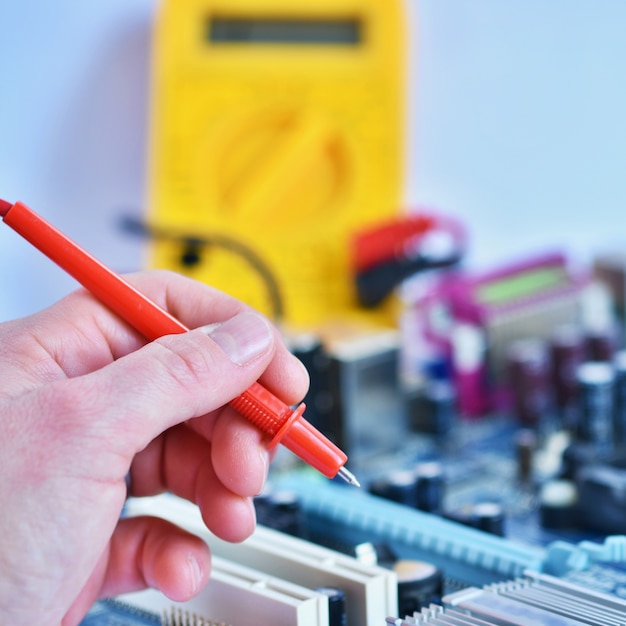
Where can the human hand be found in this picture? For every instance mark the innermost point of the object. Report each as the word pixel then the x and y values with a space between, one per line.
pixel 83 402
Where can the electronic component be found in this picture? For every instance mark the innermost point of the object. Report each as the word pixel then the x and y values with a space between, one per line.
pixel 280 511
pixel 336 605
pixel 308 347
pixel 178 617
pixel 430 485
pixel 466 555
pixel 601 503
pixel 281 127
pixel 236 594
pixel 600 343
pixel 567 352
pixel 486 516
pixel 619 414
pixel 421 487
pixel 535 600
pixel 610 269
pixel 577 455
pixel 354 368
pixel 595 400
pixel 528 378
pixel 398 486
pixel 609 578
pixel 419 585
pixel 364 386
pixel 432 408
pixel 472 320
pixel 557 504
pixel 525 447
pixel 599 323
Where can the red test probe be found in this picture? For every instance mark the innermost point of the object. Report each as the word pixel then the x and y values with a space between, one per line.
pixel 273 417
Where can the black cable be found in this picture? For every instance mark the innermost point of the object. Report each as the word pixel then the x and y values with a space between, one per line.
pixel 194 246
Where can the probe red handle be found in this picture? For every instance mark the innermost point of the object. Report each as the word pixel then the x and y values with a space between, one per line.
pixel 285 425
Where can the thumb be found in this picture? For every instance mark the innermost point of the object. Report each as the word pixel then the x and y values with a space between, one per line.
pixel 172 379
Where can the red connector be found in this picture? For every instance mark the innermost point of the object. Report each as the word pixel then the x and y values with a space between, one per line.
pixel 385 241
pixel 285 425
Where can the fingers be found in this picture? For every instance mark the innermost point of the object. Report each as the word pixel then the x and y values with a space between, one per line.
pixel 173 462
pixel 94 396
pixel 145 552
pixel 220 476
pixel 239 453
pixel 188 469
pixel 150 552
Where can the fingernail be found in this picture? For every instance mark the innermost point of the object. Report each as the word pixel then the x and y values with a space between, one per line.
pixel 195 574
pixel 265 459
pixel 243 337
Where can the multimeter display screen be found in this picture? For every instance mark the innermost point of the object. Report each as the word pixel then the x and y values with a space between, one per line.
pixel 285 31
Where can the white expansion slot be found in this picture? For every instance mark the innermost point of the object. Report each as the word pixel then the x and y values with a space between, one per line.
pixel 371 591
pixel 242 596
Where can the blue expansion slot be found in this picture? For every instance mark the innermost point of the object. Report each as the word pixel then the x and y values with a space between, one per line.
pixel 466 555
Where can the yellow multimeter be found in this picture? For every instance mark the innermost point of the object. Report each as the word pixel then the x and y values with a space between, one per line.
pixel 277 131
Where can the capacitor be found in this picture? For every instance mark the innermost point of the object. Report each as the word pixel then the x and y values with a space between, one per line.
pixel 397 486
pixel 429 486
pixel 280 510
pixel 601 502
pixel 595 398
pixel 489 517
pixel 577 455
pixel 336 605
pixel 600 344
pixel 598 319
pixel 528 375
pixel 619 411
pixel 433 409
pixel 525 446
pixel 566 355
pixel 309 349
pixel 419 584
pixel 557 504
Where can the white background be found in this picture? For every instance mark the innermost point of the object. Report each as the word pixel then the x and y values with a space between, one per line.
pixel 516 124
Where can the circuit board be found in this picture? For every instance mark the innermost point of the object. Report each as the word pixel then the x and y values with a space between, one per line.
pixel 472 515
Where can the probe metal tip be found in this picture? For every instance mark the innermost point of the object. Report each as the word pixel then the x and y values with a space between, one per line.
pixel 348 476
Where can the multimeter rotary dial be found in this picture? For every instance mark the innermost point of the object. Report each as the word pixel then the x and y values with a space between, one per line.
pixel 283 167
